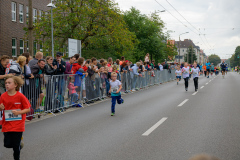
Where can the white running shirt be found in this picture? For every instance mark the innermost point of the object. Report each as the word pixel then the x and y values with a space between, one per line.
pixel 185 72
pixel 195 72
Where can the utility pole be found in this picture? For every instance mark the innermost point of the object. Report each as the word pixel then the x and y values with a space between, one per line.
pixel 30 27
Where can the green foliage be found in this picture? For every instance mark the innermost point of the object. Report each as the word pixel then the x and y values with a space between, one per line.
pixel 98 24
pixel 215 59
pixel 235 59
pixel 191 56
pixel 148 31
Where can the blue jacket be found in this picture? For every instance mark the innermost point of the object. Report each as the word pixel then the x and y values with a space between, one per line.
pixel 135 69
pixel 78 78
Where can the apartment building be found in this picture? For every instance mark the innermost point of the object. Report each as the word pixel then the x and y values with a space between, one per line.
pixel 14 16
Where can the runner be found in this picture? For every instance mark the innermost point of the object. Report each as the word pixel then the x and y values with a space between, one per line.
pixel 208 65
pixel 178 73
pixel 212 69
pixel 226 69
pixel 223 68
pixel 185 72
pixel 205 70
pixel 196 74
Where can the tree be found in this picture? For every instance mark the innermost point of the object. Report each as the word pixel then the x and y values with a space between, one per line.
pixel 190 57
pixel 148 31
pixel 98 24
pixel 215 59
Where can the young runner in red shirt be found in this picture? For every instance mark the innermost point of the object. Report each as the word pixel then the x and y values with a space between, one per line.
pixel 14 106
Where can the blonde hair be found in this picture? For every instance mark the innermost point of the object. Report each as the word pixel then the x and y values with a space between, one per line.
pixel 138 64
pixel 39 55
pixel 113 73
pixel 114 68
pixel 21 59
pixel 17 80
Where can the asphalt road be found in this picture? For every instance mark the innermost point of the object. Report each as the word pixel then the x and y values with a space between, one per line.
pixel 162 123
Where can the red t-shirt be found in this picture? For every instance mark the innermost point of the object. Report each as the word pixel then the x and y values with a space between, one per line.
pixel 18 101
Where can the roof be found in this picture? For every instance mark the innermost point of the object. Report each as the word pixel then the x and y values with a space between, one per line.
pixel 186 44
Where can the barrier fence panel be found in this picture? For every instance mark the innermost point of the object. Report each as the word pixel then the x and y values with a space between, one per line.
pixel 52 94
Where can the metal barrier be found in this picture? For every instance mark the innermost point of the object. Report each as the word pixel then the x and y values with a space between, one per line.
pixel 53 94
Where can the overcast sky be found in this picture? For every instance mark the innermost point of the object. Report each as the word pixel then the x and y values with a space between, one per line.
pixel 217 20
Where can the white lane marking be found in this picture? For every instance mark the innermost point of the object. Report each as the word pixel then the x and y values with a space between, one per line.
pixel 194 93
pixel 155 126
pixel 202 87
pixel 206 83
pixel 181 104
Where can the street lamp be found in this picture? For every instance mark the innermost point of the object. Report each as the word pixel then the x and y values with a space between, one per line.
pixel 52 6
pixel 179 45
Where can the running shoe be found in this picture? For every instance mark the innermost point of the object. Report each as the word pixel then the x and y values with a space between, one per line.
pixel 177 83
pixel 112 114
pixel 186 89
pixel 21 144
pixel 122 101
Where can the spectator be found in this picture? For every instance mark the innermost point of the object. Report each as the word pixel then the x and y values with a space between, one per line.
pixel 61 65
pixel 17 68
pixel 77 56
pixel 135 74
pixel 69 65
pixel 49 68
pixel 123 67
pixel 160 66
pixel 27 75
pixel 147 58
pixel 37 71
pixel 172 67
pixel 122 60
pixel 34 61
pixel 156 67
pixel 165 65
pixel 110 62
pixel 72 91
pixel 4 61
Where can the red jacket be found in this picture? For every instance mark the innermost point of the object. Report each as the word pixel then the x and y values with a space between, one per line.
pixel 75 68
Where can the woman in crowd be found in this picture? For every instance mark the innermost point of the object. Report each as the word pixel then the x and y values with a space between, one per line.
pixel 17 68
pixel 4 61
pixel 49 68
pixel 147 58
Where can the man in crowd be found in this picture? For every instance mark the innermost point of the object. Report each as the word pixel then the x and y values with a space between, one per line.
pixel 34 61
pixel 61 65
pixel 37 71
pixel 69 65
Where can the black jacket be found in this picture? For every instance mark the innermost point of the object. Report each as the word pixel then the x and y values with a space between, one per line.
pixel 49 70
pixel 35 71
pixel 61 68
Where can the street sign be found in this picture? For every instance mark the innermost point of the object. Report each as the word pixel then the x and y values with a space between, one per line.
pixel 74 47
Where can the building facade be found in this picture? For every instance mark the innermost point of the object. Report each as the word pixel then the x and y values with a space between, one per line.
pixel 14 16
pixel 182 48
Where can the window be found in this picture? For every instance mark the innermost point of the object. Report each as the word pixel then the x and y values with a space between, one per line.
pixel 13 11
pixel 40 14
pixel 27 13
pixel 41 47
pixel 21 46
pixel 27 47
pixel 34 15
pixel 14 47
pixel 34 47
pixel 20 13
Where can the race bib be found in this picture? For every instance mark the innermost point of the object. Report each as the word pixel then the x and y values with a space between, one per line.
pixel 186 72
pixel 114 90
pixel 9 116
pixel 195 73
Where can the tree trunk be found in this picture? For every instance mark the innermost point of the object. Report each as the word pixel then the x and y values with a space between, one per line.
pixel 30 27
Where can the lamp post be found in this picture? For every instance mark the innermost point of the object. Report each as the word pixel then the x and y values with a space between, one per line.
pixel 52 6
pixel 179 45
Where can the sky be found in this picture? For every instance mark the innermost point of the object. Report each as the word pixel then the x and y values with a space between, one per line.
pixel 217 21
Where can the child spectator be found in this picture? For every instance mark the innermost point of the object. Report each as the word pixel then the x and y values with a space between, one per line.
pixel 72 91
pixel 115 88
pixel 15 106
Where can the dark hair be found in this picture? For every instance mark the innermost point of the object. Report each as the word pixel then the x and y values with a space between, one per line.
pixel 93 59
pixel 76 56
pixel 124 64
pixel 80 61
pixel 27 55
pixel 88 61
pixel 117 61
pixel 72 57
pixel 110 59
pixel 102 60
pixel 41 60
pixel 122 58
pixel 4 57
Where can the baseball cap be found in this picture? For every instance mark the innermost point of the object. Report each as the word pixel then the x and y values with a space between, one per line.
pixel 59 54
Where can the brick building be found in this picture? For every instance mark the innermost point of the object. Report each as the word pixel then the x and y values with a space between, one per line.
pixel 13 18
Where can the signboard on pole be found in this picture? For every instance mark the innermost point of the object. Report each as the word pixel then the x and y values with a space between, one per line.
pixel 74 47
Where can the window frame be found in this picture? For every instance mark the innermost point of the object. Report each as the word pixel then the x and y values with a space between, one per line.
pixel 34 15
pixel 14 12
pixel 21 47
pixel 27 13
pixel 14 47
pixel 21 13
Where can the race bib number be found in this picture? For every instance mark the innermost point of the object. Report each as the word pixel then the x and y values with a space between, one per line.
pixel 114 90
pixel 195 73
pixel 9 116
pixel 186 72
